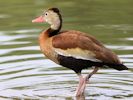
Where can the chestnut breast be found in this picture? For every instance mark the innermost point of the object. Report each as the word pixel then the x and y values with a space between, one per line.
pixel 46 46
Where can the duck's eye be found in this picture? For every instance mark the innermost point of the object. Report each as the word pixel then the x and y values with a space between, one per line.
pixel 46 14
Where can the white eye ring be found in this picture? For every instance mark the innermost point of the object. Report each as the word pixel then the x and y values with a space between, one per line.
pixel 46 14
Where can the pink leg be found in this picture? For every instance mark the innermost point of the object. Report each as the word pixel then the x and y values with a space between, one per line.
pixel 87 78
pixel 93 72
pixel 82 88
pixel 83 81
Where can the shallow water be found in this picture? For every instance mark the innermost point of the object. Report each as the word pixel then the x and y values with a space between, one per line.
pixel 25 73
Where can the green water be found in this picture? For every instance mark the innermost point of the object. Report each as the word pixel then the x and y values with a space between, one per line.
pixel 26 74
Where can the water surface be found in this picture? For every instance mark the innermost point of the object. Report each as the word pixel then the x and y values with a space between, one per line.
pixel 25 73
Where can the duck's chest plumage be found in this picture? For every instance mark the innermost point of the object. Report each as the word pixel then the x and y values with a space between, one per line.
pixel 46 47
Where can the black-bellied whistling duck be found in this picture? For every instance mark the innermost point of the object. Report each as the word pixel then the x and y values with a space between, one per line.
pixel 74 49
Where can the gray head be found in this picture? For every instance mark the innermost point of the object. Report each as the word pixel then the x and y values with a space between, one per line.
pixel 52 16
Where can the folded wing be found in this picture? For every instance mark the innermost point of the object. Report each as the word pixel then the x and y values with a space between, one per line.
pixel 79 45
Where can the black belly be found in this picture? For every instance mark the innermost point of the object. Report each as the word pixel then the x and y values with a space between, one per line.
pixel 77 64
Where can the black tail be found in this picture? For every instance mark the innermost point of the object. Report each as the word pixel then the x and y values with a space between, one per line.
pixel 117 66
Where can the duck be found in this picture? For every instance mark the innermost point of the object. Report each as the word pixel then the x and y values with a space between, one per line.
pixel 73 49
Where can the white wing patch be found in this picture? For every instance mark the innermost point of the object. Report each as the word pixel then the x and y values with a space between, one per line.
pixel 77 53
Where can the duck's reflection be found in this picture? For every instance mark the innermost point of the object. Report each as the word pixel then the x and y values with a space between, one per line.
pixel 82 97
